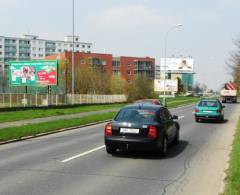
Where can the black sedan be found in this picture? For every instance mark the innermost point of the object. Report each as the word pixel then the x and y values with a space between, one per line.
pixel 142 127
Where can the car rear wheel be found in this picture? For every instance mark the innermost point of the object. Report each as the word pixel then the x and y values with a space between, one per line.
pixel 197 119
pixel 176 139
pixel 164 147
pixel 221 119
pixel 110 150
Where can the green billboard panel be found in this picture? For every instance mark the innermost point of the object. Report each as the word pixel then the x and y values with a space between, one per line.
pixel 33 73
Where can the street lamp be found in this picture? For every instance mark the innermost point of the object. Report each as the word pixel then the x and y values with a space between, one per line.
pixel 73 32
pixel 165 59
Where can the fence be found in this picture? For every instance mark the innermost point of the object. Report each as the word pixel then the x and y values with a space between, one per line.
pixel 29 100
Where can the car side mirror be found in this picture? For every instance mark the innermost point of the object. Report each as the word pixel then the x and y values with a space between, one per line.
pixel 174 117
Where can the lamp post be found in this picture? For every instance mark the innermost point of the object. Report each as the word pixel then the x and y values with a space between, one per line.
pixel 165 59
pixel 73 61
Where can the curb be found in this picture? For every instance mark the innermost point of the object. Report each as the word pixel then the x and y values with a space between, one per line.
pixel 52 132
pixel 66 129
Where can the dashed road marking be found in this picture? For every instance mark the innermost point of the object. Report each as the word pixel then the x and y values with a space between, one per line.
pixel 83 154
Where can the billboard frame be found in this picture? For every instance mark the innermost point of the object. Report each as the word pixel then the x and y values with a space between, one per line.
pixel 33 63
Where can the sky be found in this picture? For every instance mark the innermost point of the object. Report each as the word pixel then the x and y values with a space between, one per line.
pixel 137 28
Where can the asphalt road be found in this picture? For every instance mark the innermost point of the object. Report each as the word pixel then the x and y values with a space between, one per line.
pixel 75 162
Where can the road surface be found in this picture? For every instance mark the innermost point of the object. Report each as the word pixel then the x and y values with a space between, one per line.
pixel 75 162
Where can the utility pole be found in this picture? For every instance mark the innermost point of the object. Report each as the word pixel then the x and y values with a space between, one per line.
pixel 73 41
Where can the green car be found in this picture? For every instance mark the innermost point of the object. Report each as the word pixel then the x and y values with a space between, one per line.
pixel 208 109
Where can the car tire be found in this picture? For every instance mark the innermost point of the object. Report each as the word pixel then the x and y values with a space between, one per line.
pixel 221 120
pixel 197 119
pixel 164 147
pixel 176 139
pixel 110 150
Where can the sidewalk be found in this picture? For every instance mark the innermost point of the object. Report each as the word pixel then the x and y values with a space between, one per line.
pixel 52 118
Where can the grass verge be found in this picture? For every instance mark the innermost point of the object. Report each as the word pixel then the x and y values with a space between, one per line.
pixel 34 129
pixel 183 101
pixel 180 101
pixel 233 174
pixel 40 113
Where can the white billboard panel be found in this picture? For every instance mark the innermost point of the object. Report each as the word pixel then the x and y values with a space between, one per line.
pixel 177 65
pixel 170 85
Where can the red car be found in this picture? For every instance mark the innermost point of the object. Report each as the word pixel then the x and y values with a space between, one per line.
pixel 151 101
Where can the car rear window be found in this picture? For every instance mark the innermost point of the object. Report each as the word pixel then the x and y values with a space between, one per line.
pixel 135 115
pixel 208 104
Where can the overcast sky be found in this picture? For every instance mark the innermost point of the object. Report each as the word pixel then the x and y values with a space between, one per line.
pixel 137 28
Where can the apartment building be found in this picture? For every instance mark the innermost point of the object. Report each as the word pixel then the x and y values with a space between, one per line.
pixel 125 67
pixel 30 47
pixel 129 67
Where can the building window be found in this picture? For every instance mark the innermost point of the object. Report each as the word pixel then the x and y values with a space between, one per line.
pixel 104 62
pixel 89 46
pixel 77 45
pixel 83 46
pixel 0 53
pixel 82 61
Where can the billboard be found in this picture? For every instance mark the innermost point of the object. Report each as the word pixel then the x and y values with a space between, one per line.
pixel 171 85
pixel 33 73
pixel 177 65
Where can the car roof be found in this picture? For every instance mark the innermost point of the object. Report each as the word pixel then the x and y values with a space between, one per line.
pixel 205 99
pixel 142 106
pixel 153 101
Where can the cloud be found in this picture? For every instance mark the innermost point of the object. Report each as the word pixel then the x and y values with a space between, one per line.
pixel 131 17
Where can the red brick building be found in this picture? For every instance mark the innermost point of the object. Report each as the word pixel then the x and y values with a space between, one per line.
pixel 126 67
pixel 95 60
pixel 129 67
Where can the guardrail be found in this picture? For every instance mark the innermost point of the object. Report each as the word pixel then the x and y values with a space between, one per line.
pixel 38 100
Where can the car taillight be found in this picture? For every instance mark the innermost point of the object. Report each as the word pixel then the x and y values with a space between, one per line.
pixel 108 129
pixel 152 132
pixel 196 110
pixel 218 111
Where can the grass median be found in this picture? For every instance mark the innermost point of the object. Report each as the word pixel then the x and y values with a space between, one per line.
pixel 233 174
pixel 180 101
pixel 41 113
pixel 34 129
pixel 44 127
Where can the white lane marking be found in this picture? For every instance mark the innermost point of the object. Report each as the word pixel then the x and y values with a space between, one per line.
pixel 180 117
pixel 83 154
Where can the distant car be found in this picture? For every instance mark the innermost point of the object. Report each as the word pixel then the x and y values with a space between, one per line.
pixel 209 109
pixel 142 127
pixel 151 101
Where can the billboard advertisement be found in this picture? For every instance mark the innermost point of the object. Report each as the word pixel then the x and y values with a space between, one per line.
pixel 33 73
pixel 177 65
pixel 171 85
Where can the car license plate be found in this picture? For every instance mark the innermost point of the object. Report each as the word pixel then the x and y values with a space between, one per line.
pixel 129 130
pixel 207 111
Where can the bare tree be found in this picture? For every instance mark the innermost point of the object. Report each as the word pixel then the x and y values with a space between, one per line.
pixel 234 63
